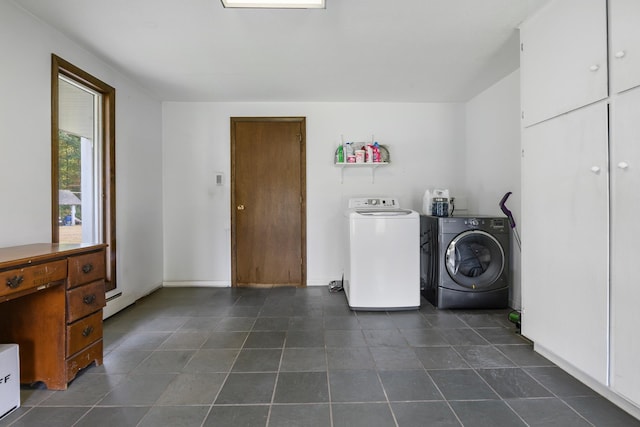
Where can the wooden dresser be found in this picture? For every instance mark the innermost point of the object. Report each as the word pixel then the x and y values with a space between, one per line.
pixel 51 300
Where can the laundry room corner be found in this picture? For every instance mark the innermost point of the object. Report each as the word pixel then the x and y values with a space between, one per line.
pixel 197 248
pixel 493 158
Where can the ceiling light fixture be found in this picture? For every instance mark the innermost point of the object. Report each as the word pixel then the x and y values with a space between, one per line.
pixel 275 4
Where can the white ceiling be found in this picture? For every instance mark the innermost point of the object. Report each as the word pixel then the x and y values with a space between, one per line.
pixel 354 50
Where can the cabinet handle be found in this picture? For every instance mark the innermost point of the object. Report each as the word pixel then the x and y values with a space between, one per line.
pixel 87 268
pixel 623 165
pixel 87 331
pixel 89 299
pixel 620 54
pixel 15 281
pixel 594 67
pixel 595 169
pixel 240 207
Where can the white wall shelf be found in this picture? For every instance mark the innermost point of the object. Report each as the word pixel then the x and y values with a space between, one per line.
pixel 372 166
pixel 384 156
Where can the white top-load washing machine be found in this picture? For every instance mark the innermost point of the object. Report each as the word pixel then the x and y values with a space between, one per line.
pixel 382 269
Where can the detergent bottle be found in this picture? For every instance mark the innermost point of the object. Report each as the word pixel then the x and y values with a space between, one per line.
pixel 340 156
pixel 376 152
pixel 426 203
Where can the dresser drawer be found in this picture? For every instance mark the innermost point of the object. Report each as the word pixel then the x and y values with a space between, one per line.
pixel 86 269
pixel 91 354
pixel 84 332
pixel 85 300
pixel 20 279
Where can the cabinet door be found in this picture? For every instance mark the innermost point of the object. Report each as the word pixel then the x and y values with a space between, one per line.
pixel 565 238
pixel 563 58
pixel 624 16
pixel 625 256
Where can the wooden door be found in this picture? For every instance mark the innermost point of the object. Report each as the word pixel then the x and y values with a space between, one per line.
pixel 268 201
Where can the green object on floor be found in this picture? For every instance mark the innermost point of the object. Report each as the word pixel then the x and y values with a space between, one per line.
pixel 514 317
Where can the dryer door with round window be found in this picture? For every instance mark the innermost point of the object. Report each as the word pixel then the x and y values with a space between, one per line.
pixel 475 260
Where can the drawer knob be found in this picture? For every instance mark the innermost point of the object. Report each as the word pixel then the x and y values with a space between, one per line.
pixel 87 331
pixel 87 268
pixel 89 299
pixel 15 281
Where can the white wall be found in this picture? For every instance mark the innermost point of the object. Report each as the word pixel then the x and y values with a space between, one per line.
pixel 426 143
pixel 25 154
pixel 493 158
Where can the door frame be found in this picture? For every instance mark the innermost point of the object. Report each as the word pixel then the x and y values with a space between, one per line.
pixel 303 190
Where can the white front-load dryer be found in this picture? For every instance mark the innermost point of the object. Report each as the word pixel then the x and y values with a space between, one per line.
pixel 382 269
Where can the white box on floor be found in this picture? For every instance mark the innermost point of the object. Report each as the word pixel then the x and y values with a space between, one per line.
pixel 9 379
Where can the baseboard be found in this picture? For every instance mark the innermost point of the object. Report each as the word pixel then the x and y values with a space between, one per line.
pixel 119 300
pixel 321 282
pixel 197 284
pixel 221 284
pixel 598 387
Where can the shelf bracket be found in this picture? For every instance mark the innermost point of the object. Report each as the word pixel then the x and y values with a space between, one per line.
pixel 371 166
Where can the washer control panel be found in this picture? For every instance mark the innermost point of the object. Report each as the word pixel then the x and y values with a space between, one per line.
pixel 374 202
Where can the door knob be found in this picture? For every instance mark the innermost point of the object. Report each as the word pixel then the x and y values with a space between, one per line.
pixel 623 165
pixel 240 207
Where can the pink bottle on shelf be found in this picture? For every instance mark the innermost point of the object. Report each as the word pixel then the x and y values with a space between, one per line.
pixel 376 153
pixel 368 157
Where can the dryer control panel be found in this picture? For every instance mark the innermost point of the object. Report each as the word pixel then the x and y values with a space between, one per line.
pixel 484 223
pixel 458 224
pixel 477 221
pixel 498 224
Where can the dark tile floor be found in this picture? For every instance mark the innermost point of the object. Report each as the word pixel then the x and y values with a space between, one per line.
pixel 300 357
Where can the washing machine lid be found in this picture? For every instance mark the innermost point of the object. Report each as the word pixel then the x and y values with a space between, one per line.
pixel 383 212
pixel 378 207
pixel 398 214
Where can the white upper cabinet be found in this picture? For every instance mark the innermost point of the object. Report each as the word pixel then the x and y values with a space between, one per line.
pixel 563 58
pixel 624 33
